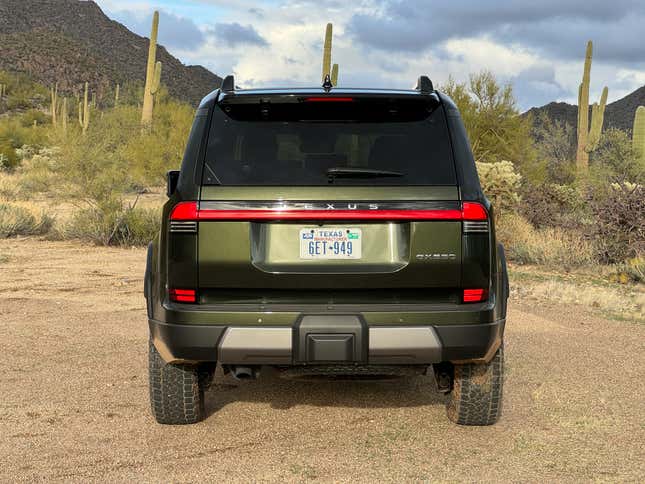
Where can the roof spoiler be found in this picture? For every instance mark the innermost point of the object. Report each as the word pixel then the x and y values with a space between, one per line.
pixel 424 85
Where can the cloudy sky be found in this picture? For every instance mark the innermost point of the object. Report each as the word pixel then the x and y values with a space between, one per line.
pixel 538 46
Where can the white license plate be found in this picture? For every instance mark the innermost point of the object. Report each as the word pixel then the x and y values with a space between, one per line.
pixel 330 243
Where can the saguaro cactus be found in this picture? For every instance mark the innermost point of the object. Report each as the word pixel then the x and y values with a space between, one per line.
pixel 588 139
pixel 638 136
pixel 116 95
pixel 326 65
pixel 334 74
pixel 64 115
pixel 597 119
pixel 54 99
pixel 153 74
pixel 84 111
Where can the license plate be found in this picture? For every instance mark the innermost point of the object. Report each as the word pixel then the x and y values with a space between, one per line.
pixel 330 243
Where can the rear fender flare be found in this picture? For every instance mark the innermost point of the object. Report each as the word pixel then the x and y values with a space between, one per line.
pixel 502 271
pixel 147 280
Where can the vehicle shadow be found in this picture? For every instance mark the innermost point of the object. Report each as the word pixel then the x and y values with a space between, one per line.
pixel 283 394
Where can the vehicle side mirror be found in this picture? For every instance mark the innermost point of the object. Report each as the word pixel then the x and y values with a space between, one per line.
pixel 172 180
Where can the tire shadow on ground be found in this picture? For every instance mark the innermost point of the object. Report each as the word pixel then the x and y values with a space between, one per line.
pixel 283 394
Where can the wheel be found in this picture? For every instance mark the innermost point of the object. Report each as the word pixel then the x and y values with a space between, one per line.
pixel 176 391
pixel 476 397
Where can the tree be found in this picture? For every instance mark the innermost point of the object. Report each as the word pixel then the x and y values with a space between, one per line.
pixel 496 130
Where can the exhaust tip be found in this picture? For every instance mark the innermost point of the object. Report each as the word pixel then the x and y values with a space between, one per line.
pixel 244 372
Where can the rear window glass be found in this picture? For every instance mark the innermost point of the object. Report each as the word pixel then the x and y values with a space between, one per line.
pixel 353 142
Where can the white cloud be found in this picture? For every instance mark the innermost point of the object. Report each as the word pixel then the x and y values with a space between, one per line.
pixel 293 31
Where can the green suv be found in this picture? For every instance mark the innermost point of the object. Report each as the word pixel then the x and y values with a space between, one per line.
pixel 325 231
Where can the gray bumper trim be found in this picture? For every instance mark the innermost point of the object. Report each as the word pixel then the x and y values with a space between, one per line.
pixel 256 346
pixel 403 345
pixel 278 345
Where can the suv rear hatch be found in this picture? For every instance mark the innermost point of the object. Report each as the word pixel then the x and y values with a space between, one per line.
pixel 331 199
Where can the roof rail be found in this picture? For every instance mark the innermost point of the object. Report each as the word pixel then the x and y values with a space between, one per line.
pixel 228 84
pixel 424 84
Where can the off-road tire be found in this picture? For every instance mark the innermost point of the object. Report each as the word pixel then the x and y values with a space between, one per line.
pixel 476 397
pixel 176 392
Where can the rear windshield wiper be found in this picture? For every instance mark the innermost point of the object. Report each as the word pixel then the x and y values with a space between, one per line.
pixel 334 173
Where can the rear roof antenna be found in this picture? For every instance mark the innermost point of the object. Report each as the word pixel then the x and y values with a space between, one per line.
pixel 228 84
pixel 327 85
pixel 424 85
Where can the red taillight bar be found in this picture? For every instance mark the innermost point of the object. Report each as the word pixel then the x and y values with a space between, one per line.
pixel 189 211
pixel 475 295
pixel 473 211
pixel 183 295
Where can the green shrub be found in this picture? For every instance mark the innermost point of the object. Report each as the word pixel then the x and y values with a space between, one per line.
pixel 16 220
pixel 28 118
pixel 37 173
pixel 22 92
pixel 125 227
pixel 500 183
pixel 496 130
pixel 549 246
pixel 614 160
pixel 13 136
pixel 555 142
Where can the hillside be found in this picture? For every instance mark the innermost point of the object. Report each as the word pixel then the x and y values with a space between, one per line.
pixel 619 114
pixel 71 42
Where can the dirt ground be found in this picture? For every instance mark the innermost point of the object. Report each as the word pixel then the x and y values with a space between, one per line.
pixel 74 396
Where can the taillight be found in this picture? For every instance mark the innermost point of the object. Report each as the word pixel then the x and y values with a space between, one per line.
pixel 184 211
pixel 473 211
pixel 183 295
pixel 475 295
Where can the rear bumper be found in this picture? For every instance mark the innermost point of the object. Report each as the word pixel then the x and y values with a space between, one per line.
pixel 327 339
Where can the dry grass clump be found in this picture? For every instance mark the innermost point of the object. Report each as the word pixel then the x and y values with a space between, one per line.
pixel 18 220
pixel 583 288
pixel 125 227
pixel 632 270
pixel 549 246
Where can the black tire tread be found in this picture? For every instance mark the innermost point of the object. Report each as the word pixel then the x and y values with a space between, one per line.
pixel 476 397
pixel 176 393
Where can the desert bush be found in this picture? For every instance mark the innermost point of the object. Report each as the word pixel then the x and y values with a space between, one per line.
pixel 500 183
pixel 553 205
pixel 492 120
pixel 16 220
pixel 632 270
pixel 550 246
pixel 37 173
pixel 34 115
pixel 13 135
pixel 8 187
pixel 555 142
pixel 124 227
pixel 614 160
pixel 619 222
pixel 22 92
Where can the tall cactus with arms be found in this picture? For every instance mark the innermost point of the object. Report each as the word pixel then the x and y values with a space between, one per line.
pixel 153 74
pixel 327 69
pixel 588 138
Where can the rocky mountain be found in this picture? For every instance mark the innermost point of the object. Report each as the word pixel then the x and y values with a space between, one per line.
pixel 619 114
pixel 73 41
